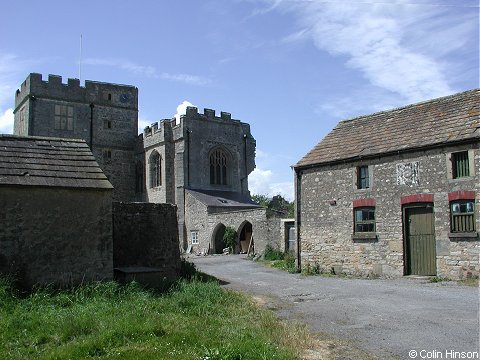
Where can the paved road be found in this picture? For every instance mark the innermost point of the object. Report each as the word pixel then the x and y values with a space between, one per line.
pixel 387 318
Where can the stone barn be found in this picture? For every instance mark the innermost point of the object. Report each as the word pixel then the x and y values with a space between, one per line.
pixel 55 211
pixel 395 193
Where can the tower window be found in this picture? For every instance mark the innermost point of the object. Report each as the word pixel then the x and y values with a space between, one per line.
pixel 218 167
pixel 155 169
pixel 63 117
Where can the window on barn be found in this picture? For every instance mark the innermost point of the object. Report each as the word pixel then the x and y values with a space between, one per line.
pixel 218 167
pixel 155 169
pixel 364 218
pixel 462 216
pixel 363 177
pixel 194 237
pixel 460 165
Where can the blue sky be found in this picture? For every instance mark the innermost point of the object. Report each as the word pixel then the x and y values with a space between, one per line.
pixel 290 68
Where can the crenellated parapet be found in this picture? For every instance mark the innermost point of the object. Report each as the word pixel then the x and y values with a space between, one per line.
pixel 124 96
pixel 208 114
pixel 158 132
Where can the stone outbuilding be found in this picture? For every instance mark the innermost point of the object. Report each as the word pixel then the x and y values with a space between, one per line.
pixel 210 212
pixel 55 212
pixel 395 193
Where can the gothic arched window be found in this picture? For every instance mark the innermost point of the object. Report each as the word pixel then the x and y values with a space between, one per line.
pixel 218 167
pixel 155 169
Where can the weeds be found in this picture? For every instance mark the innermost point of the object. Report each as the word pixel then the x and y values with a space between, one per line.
pixel 271 254
pixel 311 269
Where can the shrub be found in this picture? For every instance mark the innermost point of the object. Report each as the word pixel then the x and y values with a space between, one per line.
pixel 230 237
pixel 271 253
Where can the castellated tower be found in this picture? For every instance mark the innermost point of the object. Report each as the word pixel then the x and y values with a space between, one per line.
pixel 104 115
pixel 202 152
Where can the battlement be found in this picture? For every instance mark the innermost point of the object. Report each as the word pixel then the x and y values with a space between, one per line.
pixel 93 91
pixel 157 127
pixel 192 112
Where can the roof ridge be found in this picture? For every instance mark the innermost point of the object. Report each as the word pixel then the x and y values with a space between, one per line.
pixel 431 101
pixel 36 138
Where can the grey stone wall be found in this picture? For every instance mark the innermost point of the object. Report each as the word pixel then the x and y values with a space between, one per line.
pixel 184 147
pixel 53 236
pixel 207 131
pixel 104 115
pixel 325 196
pixel 146 235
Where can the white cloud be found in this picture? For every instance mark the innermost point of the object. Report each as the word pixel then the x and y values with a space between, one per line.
pixel 186 78
pixel 148 71
pixel 397 45
pixel 143 123
pixel 182 108
pixel 261 154
pixel 260 183
pixel 6 122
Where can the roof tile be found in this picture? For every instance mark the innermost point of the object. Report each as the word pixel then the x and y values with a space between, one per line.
pixel 435 122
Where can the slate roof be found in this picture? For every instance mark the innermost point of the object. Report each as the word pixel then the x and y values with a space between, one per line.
pixel 224 199
pixel 437 122
pixel 41 161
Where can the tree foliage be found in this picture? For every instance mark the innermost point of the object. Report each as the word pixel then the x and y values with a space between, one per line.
pixel 230 237
pixel 277 203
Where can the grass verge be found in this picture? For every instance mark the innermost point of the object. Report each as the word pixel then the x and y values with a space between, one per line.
pixel 194 320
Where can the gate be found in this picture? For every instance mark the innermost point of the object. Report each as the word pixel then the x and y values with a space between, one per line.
pixel 420 252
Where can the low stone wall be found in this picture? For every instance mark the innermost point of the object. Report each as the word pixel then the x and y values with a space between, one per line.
pixel 58 237
pixel 146 235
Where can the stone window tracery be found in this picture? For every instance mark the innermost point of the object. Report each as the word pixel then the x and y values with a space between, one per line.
pixel 218 167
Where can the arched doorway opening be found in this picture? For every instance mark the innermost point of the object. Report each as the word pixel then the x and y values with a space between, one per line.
pixel 218 244
pixel 245 238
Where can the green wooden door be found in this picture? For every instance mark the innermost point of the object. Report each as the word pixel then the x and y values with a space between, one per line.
pixel 420 241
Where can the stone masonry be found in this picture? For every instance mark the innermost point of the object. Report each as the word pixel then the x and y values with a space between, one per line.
pixel 104 115
pixel 413 172
pixel 145 235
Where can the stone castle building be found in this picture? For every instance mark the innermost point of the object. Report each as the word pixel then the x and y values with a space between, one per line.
pixel 395 193
pixel 200 163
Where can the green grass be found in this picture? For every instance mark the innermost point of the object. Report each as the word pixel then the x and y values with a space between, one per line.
pixel 194 320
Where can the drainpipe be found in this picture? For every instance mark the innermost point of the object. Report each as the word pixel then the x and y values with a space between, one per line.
pixel 188 157
pixel 91 126
pixel 298 215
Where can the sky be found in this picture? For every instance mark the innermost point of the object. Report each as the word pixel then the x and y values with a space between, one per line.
pixel 292 69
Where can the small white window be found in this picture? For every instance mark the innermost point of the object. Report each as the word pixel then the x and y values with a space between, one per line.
pixel 194 236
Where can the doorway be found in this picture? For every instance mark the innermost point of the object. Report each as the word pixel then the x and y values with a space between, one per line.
pixel 245 238
pixel 218 242
pixel 420 247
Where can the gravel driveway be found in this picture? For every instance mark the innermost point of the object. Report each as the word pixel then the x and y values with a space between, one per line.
pixel 386 318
